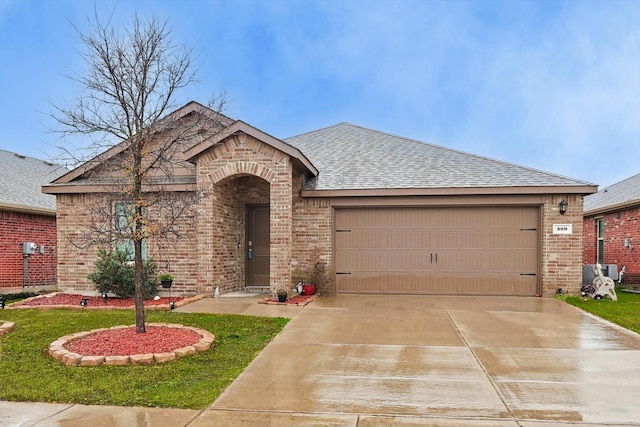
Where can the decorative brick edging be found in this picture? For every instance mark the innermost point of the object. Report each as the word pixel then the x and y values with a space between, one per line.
pixel 157 307
pixel 58 352
pixel 6 327
pixel 288 302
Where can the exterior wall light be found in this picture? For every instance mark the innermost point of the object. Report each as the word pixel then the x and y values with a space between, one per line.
pixel 563 206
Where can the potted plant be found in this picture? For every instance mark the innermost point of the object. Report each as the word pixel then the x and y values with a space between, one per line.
pixel 282 293
pixel 316 278
pixel 166 280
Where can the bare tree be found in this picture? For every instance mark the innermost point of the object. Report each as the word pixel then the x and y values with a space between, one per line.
pixel 135 143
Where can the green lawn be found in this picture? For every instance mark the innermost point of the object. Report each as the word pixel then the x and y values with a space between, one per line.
pixel 625 312
pixel 28 373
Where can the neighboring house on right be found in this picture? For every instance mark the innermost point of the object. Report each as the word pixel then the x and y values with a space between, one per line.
pixel 611 235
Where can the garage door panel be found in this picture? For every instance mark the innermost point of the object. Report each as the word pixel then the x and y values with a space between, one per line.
pixel 446 284
pixel 471 251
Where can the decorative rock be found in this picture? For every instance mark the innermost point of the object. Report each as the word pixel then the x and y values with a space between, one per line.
pixel 59 354
pixel 70 358
pixel 141 359
pixel 184 351
pixel 164 357
pixel 202 346
pixel 116 360
pixel 92 360
pixel 6 327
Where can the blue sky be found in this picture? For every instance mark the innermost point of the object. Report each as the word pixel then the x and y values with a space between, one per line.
pixel 553 85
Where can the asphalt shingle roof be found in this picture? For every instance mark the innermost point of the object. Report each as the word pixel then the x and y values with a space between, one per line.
pixel 625 191
pixel 353 157
pixel 22 178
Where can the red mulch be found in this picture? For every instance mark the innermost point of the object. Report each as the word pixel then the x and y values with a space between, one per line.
pixel 74 300
pixel 125 341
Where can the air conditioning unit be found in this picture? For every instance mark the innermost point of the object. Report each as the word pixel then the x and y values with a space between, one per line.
pixel 609 270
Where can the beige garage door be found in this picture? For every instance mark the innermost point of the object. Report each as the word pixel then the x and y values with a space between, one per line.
pixel 466 251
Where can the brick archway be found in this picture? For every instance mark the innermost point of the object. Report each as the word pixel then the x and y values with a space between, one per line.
pixel 242 168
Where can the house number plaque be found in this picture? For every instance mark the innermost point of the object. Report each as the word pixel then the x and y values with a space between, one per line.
pixel 562 228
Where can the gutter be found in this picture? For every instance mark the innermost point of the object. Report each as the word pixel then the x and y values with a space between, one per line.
pixel 27 209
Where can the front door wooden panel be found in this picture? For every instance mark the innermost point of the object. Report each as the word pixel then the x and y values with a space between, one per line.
pixel 258 246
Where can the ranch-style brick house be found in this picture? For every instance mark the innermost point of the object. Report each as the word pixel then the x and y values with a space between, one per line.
pixel 386 214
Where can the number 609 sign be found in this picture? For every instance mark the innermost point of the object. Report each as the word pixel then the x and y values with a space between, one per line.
pixel 562 228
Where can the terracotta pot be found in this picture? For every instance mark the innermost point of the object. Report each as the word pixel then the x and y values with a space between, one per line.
pixel 308 289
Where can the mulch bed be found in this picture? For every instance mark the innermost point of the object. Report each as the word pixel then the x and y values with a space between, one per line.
pixel 126 341
pixel 97 302
pixel 122 345
pixel 296 300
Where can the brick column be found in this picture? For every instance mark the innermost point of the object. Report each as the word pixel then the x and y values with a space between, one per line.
pixel 562 253
pixel 281 202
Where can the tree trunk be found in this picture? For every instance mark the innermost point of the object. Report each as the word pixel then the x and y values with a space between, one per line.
pixel 139 296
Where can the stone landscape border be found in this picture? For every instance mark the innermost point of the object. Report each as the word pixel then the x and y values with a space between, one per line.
pixel 6 327
pixel 58 352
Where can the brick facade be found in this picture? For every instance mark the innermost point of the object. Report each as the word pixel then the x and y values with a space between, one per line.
pixel 242 171
pixel 17 228
pixel 619 226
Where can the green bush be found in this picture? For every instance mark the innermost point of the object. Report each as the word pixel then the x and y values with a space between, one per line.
pixel 113 273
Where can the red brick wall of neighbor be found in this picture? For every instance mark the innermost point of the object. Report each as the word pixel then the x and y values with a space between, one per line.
pixel 619 225
pixel 17 228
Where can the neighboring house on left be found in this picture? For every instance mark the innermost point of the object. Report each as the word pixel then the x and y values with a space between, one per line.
pixel 27 222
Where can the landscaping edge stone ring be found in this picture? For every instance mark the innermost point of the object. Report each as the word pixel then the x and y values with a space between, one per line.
pixel 60 353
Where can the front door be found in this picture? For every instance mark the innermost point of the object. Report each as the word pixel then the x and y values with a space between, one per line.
pixel 257 245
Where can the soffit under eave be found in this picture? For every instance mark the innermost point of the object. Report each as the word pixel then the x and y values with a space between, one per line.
pixel 298 158
pixel 74 188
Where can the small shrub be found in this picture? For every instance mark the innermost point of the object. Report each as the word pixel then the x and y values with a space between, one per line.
pixel 113 273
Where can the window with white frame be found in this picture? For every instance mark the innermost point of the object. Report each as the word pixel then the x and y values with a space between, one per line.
pixel 600 250
pixel 124 222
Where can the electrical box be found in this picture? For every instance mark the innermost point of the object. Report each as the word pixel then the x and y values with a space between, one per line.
pixel 29 248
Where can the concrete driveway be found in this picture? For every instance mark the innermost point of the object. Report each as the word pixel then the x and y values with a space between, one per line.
pixel 424 360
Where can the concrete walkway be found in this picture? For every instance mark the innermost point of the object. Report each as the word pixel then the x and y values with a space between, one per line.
pixel 419 361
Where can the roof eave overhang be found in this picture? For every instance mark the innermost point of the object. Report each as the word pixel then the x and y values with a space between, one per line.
pixel 27 209
pixel 241 127
pixel 451 191
pixel 611 208
pixel 102 188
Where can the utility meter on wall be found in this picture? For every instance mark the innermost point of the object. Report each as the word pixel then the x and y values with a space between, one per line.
pixel 29 248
